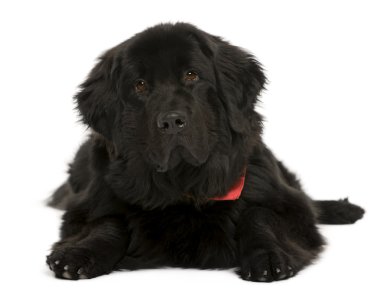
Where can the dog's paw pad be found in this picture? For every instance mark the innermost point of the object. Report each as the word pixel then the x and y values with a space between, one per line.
pixel 72 263
pixel 267 266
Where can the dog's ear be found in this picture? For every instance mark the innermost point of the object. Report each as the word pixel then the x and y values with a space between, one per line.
pixel 240 80
pixel 98 96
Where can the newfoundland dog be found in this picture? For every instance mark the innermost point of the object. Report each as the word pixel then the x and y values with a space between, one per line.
pixel 175 172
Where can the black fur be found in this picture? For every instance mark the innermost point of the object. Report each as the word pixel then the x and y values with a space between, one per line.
pixel 139 198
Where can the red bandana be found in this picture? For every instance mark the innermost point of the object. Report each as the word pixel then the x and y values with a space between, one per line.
pixel 235 192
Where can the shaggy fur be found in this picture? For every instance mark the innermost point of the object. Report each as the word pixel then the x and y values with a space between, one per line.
pixel 139 195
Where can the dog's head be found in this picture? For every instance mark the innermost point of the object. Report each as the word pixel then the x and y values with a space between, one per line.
pixel 173 94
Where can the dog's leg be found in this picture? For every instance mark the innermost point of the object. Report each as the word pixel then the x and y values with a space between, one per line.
pixel 274 244
pixel 93 251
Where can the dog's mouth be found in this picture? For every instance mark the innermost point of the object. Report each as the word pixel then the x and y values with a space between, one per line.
pixel 172 157
pixel 167 151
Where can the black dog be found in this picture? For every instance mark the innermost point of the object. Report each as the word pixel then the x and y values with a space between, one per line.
pixel 175 172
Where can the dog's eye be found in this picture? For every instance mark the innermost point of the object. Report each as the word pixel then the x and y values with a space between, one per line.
pixel 191 76
pixel 140 86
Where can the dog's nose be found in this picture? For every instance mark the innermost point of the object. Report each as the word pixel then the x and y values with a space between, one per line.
pixel 172 122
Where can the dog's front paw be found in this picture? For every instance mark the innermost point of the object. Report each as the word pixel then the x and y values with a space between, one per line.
pixel 73 263
pixel 267 266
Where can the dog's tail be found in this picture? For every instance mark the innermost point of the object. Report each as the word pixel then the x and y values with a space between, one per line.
pixel 338 212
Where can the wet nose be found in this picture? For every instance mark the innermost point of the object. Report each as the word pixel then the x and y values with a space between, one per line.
pixel 172 122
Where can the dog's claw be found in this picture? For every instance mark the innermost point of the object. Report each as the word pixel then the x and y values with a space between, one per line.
pixel 66 275
pixel 83 276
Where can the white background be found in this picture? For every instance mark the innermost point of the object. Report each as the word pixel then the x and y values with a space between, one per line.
pixel 322 118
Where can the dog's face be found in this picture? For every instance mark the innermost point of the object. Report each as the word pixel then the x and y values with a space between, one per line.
pixel 173 94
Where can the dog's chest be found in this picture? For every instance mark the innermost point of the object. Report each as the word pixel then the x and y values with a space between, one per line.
pixel 186 236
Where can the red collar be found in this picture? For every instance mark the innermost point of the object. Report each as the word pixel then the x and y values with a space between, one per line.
pixel 235 192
